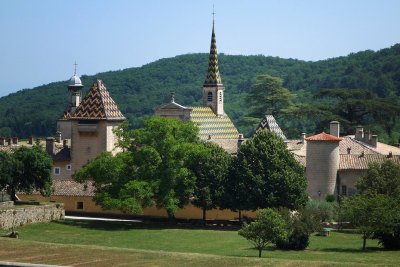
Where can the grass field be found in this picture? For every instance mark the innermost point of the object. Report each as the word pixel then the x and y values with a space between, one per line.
pixel 93 243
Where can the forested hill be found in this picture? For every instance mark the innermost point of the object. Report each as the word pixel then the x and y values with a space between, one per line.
pixel 138 91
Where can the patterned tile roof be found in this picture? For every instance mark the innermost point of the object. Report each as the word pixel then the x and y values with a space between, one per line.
pixel 269 123
pixel 98 104
pixel 323 137
pixel 213 77
pixel 360 162
pixel 213 125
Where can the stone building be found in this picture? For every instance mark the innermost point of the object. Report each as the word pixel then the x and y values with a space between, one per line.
pixel 333 163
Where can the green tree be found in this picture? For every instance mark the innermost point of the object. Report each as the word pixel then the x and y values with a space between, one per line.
pixel 268 227
pixel 209 164
pixel 25 170
pixel 117 182
pixel 380 179
pixel 265 174
pixel 167 143
pixel 365 213
pixel 268 96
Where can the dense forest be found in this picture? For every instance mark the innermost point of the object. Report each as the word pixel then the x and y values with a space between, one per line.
pixel 138 91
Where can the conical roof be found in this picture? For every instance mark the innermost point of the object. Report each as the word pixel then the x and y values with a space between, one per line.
pixel 324 137
pixel 213 77
pixel 98 105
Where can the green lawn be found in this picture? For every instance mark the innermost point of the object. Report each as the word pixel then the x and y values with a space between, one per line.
pixel 173 245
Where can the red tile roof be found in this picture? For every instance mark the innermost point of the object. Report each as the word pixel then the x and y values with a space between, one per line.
pixel 323 137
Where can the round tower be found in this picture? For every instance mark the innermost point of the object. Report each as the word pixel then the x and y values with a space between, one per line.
pixel 322 164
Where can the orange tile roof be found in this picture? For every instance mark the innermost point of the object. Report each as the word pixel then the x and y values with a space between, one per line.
pixel 323 137
pixel 361 162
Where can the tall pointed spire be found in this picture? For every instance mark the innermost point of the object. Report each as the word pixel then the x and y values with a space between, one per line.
pixel 213 77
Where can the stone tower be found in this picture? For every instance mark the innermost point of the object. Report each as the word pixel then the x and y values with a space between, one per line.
pixel 322 164
pixel 213 89
pixel 92 125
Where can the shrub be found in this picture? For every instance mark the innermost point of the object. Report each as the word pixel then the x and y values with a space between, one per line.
pixel 330 198
pixel 300 226
pixel 322 210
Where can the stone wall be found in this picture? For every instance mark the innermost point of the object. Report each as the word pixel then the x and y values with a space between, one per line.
pixel 6 204
pixel 25 214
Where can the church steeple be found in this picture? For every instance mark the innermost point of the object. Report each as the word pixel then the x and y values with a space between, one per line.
pixel 213 89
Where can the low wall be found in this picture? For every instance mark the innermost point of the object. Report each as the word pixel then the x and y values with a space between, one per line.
pixel 19 216
pixel 6 204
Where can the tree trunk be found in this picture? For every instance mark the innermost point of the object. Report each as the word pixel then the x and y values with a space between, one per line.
pixel 12 194
pixel 364 241
pixel 240 215
pixel 259 252
pixel 204 216
pixel 171 218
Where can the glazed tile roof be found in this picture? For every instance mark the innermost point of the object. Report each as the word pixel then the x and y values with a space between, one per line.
pixel 360 162
pixel 212 125
pixel 323 137
pixel 213 77
pixel 98 104
pixel 269 123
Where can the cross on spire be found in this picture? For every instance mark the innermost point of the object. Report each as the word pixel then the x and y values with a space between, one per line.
pixel 213 13
pixel 75 64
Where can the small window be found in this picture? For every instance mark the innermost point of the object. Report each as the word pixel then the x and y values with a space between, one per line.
pixel 68 167
pixel 344 190
pixel 79 205
pixel 209 97
pixel 220 96
pixel 57 170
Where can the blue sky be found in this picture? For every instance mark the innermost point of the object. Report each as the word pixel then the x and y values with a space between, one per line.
pixel 41 39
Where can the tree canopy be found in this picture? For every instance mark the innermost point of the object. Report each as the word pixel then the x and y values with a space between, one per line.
pixel 265 174
pixel 25 170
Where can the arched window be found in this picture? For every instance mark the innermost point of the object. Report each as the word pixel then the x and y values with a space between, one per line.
pixel 209 97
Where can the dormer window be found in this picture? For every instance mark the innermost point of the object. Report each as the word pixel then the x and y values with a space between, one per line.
pixel 209 97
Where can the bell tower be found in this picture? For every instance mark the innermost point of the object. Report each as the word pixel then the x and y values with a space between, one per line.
pixel 213 89
pixel 74 87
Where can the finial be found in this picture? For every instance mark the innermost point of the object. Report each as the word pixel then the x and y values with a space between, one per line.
pixel 75 64
pixel 172 97
pixel 213 13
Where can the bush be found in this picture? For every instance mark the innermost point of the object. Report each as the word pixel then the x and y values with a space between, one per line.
pixel 299 227
pixel 322 210
pixel 330 198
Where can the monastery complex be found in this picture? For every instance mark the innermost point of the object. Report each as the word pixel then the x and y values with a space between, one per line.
pixel 332 162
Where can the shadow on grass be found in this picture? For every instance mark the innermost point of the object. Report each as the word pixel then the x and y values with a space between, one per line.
pixel 120 226
pixel 352 250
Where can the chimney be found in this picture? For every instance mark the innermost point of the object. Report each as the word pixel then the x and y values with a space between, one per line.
pixel 240 140
pixel 2 141
pixel 9 141
pixel 50 145
pixel 362 154
pixel 349 150
pixel 65 143
pixel 359 133
pixel 390 154
pixel 58 137
pixel 334 128
pixel 374 140
pixel 30 140
pixel 303 137
pixel 15 140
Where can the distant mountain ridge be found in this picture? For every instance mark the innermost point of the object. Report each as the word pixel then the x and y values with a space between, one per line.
pixel 137 91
